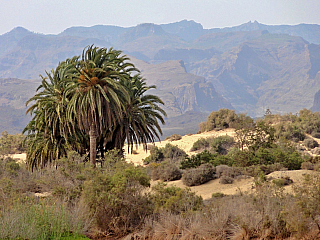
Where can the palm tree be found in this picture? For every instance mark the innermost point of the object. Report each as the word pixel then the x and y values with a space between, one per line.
pixel 49 133
pixel 97 97
pixel 140 120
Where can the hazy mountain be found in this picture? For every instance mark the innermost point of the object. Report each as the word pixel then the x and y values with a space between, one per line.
pixel 275 70
pixel 249 67
pixel 35 54
pixel 13 95
pixel 10 40
pixel 181 91
pixel 309 32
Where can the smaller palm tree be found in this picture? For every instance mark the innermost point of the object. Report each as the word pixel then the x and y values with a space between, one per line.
pixel 141 119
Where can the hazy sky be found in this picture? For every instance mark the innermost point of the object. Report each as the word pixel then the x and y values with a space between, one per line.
pixel 53 16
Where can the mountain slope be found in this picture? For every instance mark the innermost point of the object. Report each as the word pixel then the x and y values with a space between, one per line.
pixel 275 71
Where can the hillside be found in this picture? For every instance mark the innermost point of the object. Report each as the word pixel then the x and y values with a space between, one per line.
pixel 249 67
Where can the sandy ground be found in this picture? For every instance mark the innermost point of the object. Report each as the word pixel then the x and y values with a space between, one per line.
pixel 184 143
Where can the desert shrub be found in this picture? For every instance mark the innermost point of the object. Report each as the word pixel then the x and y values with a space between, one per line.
pixel 10 144
pixel 156 155
pixel 217 195
pixel 315 134
pixel 226 180
pixel 310 143
pixel 224 118
pixel 283 181
pixel 221 144
pixel 173 152
pixel 41 219
pixel 220 169
pixel 308 197
pixel 199 175
pixel 316 151
pixel 307 166
pixel 117 201
pixel 200 144
pixel 169 152
pixel 173 137
pixel 165 171
pixel 255 170
pixel 175 200
pixel 196 160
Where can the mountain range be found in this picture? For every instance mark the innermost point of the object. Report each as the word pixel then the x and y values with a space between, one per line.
pixel 248 68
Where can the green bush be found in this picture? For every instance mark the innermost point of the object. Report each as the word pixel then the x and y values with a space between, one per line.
pixel 175 200
pixel 224 118
pixel 217 195
pixel 199 175
pixel 196 160
pixel 200 144
pixel 156 155
pixel 117 200
pixel 169 152
pixel 173 152
pixel 222 144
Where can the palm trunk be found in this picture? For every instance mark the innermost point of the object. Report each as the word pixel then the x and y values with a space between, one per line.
pixel 93 144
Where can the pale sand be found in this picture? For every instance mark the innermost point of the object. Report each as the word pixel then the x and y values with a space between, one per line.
pixel 184 143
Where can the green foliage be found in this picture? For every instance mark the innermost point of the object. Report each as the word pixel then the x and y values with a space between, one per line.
pixel 174 199
pixel 43 220
pixel 169 152
pixel 10 144
pixel 117 200
pixel 201 144
pixel 222 144
pixel 91 103
pixel 196 160
pixel 224 118
pixel 308 197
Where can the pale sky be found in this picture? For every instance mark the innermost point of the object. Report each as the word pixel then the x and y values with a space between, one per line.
pixel 54 16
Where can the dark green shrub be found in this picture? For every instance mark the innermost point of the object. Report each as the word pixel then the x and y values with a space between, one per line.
pixel 199 175
pixel 169 152
pixel 221 144
pixel 117 200
pixel 196 160
pixel 310 143
pixel 217 195
pixel 200 144
pixel 173 152
pixel 174 199
pixel 284 181
pixel 224 118
pixel 156 155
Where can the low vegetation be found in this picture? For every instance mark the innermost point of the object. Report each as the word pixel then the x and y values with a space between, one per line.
pixel 74 200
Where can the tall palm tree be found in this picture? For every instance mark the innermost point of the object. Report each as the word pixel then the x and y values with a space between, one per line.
pixel 97 97
pixel 47 129
pixel 140 120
